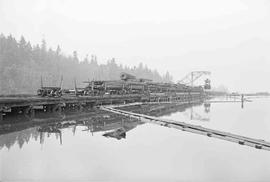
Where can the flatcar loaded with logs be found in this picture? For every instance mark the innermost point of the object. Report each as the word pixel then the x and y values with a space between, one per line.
pixel 128 84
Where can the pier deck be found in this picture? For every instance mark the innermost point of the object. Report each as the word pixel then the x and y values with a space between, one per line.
pixel 28 103
pixel 32 100
pixel 36 100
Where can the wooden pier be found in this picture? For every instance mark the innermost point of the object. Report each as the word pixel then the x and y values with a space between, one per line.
pixel 256 143
pixel 28 104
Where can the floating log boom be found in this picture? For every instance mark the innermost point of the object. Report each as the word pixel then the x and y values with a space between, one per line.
pixel 257 143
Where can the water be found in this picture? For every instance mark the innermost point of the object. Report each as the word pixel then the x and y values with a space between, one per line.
pixel 148 152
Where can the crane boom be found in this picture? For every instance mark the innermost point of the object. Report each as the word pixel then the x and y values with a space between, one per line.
pixel 190 78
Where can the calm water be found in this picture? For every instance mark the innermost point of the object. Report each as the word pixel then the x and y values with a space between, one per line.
pixel 147 152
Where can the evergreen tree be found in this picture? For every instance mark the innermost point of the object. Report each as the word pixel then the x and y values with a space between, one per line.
pixel 22 64
pixel 58 50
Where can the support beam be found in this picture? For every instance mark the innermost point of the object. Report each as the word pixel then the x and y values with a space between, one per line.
pixel 29 112
pixel 1 116
pixel 80 107
pixel 56 108
pixel 48 108
pixel 1 113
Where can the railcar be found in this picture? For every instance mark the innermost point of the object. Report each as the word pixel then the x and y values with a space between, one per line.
pixel 49 91
pixel 128 84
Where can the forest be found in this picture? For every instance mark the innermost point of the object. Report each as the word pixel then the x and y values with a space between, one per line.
pixel 22 65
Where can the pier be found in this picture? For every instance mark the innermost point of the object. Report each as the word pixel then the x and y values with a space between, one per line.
pixel 27 104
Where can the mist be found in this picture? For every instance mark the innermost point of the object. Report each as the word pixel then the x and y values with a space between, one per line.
pixel 229 38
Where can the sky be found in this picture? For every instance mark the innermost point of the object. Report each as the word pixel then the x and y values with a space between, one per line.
pixel 230 38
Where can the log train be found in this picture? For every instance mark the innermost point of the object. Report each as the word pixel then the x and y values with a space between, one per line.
pixel 128 84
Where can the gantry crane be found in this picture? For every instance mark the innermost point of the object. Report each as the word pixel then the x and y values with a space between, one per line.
pixel 190 78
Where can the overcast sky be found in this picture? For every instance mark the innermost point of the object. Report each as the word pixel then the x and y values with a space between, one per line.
pixel 230 38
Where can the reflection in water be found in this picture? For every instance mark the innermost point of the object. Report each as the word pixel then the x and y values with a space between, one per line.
pixel 118 133
pixel 113 125
pixel 206 107
pixel 9 139
pixel 49 130
pixel 147 152
pixel 195 115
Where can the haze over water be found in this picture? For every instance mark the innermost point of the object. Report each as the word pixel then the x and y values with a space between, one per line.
pixel 149 152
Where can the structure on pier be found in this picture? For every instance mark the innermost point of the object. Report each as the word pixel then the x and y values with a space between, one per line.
pixel 190 78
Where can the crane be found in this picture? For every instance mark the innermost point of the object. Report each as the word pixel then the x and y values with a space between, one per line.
pixel 190 78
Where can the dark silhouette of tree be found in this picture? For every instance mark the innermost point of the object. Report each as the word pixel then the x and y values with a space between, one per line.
pixel 43 45
pixel 167 77
pixel 58 50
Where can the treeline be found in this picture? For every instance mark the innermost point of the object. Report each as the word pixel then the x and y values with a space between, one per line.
pixel 22 65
